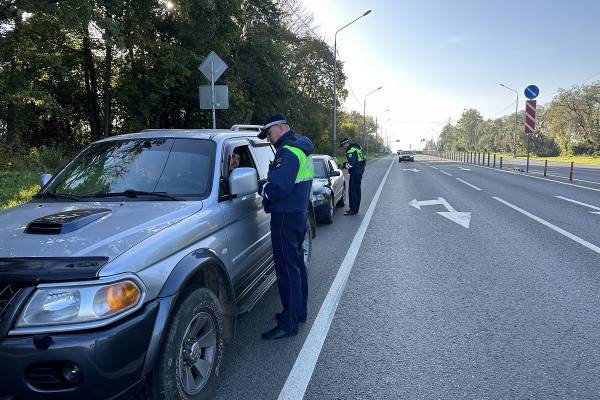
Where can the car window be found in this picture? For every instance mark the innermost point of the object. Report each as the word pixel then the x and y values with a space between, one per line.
pixel 179 167
pixel 264 156
pixel 240 157
pixel 320 168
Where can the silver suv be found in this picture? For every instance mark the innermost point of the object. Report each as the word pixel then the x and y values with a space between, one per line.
pixel 128 270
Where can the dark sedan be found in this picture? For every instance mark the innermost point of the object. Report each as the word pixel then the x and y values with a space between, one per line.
pixel 329 188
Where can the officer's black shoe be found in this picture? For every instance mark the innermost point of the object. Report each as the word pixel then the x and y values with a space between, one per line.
pixel 277 333
pixel 279 315
pixel 350 212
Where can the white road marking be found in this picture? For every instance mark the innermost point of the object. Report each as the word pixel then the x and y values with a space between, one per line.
pixel 461 218
pixel 444 172
pixel 581 204
pixel 433 167
pixel 538 177
pixel 412 169
pixel 298 379
pixel 468 184
pixel 565 177
pixel 464 169
pixel 571 236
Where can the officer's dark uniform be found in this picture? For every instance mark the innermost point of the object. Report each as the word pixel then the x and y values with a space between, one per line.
pixel 286 196
pixel 356 168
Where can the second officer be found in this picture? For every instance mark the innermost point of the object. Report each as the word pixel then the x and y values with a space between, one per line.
pixel 356 168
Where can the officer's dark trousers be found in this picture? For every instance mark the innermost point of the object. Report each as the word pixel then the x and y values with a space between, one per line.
pixel 287 236
pixel 354 191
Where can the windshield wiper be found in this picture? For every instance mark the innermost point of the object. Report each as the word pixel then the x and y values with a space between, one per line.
pixel 58 196
pixel 136 193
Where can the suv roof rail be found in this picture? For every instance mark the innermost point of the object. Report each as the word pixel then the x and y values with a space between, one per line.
pixel 242 127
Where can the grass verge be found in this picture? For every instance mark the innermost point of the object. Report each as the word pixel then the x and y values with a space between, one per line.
pixel 17 187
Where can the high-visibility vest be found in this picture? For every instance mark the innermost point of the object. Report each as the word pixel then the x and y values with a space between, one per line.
pixel 306 170
pixel 353 149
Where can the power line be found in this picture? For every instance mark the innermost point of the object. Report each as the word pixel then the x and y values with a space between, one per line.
pixel 349 85
pixel 504 110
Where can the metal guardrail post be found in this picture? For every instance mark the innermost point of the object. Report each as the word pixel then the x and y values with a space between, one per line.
pixel 500 162
pixel 488 159
pixel 494 160
pixel 571 172
pixel 546 168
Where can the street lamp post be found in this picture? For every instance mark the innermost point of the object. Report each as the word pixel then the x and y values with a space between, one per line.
pixel 377 127
pixel 516 112
pixel 333 139
pixel 365 117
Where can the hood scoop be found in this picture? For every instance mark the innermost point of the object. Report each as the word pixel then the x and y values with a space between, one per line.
pixel 65 222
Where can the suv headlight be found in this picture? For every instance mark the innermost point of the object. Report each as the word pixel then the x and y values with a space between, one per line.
pixel 63 307
pixel 318 197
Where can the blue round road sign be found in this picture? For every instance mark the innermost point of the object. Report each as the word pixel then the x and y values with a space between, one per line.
pixel 532 91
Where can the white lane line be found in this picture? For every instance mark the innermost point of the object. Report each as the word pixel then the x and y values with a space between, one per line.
pixel 578 202
pixel 468 184
pixel 298 379
pixel 539 177
pixel 434 167
pixel 444 172
pixel 575 238
pixel 564 177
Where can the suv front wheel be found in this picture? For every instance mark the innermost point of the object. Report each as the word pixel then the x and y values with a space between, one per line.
pixel 188 365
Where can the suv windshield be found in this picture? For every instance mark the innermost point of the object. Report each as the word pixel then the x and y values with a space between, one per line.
pixel 320 169
pixel 177 167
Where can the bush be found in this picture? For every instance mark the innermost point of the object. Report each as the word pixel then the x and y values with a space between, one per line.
pixel 586 148
pixel 36 159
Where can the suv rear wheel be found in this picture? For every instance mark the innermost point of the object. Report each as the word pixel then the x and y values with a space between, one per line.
pixel 188 364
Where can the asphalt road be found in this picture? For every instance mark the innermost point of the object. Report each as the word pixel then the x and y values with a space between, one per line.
pixel 507 308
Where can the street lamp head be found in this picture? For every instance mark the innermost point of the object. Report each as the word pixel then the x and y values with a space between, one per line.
pixel 367 13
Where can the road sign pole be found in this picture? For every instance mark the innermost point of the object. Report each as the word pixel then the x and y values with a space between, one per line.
pixel 212 85
pixel 528 143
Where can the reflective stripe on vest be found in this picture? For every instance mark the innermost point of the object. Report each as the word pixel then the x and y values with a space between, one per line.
pixel 361 157
pixel 306 170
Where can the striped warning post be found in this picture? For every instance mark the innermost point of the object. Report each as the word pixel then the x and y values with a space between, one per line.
pixel 530 107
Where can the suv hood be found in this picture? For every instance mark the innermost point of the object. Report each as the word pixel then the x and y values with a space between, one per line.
pixel 105 229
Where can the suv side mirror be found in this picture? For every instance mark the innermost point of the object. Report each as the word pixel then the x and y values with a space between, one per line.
pixel 44 179
pixel 335 173
pixel 243 181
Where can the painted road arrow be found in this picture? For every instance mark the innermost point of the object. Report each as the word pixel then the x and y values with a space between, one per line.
pixel 461 218
pixel 464 169
pixel 412 169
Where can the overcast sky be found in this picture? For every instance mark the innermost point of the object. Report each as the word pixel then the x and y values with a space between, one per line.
pixel 436 58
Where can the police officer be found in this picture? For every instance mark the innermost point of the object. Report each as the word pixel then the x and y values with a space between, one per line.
pixel 286 193
pixel 356 168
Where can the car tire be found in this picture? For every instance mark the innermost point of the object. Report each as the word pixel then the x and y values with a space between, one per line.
pixel 328 219
pixel 342 202
pixel 307 244
pixel 197 315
